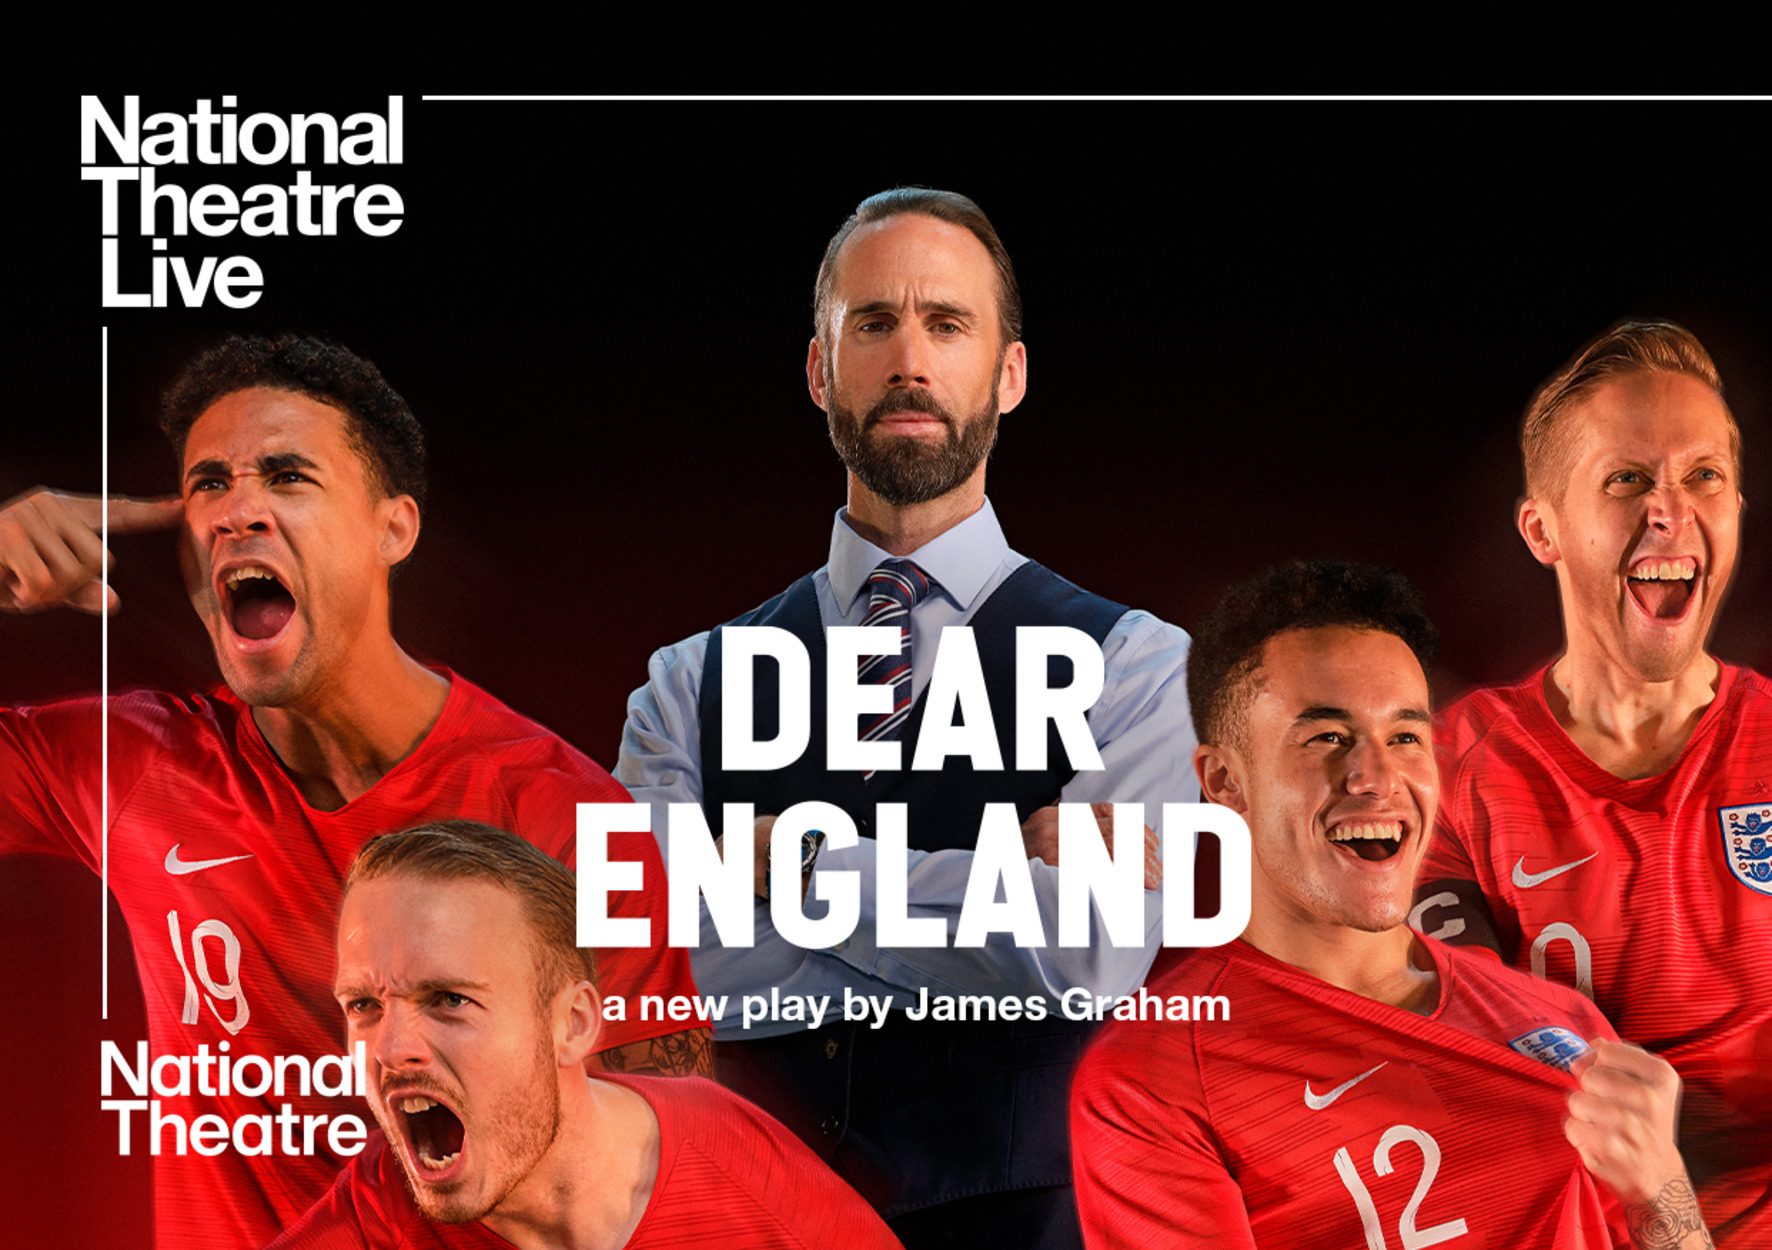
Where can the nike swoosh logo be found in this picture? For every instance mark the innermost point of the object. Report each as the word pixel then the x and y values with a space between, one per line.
pixel 1526 880
pixel 1316 1102
pixel 179 867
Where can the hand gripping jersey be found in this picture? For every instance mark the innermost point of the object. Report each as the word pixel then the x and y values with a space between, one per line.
pixel 1295 1114
pixel 728 1177
pixel 230 882
pixel 1653 897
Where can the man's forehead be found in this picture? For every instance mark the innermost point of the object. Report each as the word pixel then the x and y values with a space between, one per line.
pixel 880 258
pixel 243 424
pixel 411 921
pixel 1358 672
pixel 1650 414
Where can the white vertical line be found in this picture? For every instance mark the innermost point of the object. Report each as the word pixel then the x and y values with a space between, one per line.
pixel 104 676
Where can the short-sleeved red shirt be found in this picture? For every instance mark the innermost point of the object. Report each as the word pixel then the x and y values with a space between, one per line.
pixel 231 882
pixel 729 1176
pixel 1652 896
pixel 1295 1114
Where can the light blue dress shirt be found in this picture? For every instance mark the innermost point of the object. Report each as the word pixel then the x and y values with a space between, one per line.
pixel 1140 725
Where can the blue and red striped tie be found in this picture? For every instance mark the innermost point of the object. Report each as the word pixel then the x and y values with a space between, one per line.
pixel 894 589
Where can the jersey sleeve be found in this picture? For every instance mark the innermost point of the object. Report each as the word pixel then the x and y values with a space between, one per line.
pixel 53 765
pixel 358 1212
pixel 1447 856
pixel 42 764
pixel 329 1224
pixel 1448 851
pixel 1450 905
pixel 737 1178
pixel 1149 1170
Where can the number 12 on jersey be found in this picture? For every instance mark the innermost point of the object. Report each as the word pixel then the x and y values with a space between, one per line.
pixel 1412 1238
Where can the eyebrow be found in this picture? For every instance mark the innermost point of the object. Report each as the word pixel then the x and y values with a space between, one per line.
pixel 938 307
pixel 430 985
pixel 276 462
pixel 1341 713
pixel 1704 456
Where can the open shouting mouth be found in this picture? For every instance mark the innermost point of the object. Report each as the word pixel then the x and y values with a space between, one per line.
pixel 257 605
pixel 435 1137
pixel 1663 586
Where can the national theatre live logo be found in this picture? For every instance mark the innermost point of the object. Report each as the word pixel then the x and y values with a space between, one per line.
pixel 134 159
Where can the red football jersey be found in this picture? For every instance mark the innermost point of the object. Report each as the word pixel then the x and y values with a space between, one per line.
pixel 230 882
pixel 1653 897
pixel 728 1176
pixel 1296 1114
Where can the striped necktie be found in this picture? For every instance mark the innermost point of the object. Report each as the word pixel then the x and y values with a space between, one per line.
pixel 894 589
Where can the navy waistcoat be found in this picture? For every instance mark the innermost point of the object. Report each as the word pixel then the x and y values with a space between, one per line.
pixel 943 807
pixel 917 1113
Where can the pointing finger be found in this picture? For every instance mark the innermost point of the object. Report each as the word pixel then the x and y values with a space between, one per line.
pixel 127 515
pixel 82 544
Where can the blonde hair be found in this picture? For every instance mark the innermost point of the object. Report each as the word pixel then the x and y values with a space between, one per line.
pixel 446 850
pixel 1547 440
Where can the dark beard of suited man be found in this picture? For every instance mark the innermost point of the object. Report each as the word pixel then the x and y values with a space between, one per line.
pixel 909 471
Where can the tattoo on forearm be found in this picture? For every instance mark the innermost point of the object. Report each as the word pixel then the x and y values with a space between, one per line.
pixel 1666 1220
pixel 689 1053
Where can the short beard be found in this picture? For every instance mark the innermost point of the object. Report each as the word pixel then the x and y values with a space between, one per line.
pixel 528 1129
pixel 905 471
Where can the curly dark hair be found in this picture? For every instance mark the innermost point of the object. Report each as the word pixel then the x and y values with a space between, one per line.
pixel 381 427
pixel 1228 645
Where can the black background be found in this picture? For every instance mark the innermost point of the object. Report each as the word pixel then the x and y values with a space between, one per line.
pixel 1256 331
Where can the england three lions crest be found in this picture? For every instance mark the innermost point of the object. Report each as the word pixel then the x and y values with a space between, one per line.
pixel 1747 841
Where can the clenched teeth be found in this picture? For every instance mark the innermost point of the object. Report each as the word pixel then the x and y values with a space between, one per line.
pixel 251 572
pixel 437 1165
pixel 1683 570
pixel 1376 830
pixel 416 1104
